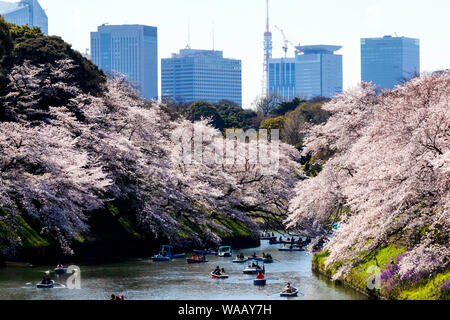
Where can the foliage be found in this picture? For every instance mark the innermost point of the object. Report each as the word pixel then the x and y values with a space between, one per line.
pixel 62 164
pixel 204 110
pixel 30 44
pixel 390 157
pixel 6 44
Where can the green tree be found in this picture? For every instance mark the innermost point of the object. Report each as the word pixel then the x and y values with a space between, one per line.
pixel 31 44
pixel 205 110
pixel 286 106
pixel 6 44
pixel 273 123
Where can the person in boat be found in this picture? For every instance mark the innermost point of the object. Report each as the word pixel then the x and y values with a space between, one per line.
pixel 217 271
pixel 113 297
pixel 281 239
pixel 60 266
pixel 264 255
pixel 260 276
pixel 254 255
pixel 223 271
pixel 288 288
pixel 203 257
pixel 46 280
pixel 241 256
pixel 121 297
pixel 273 235
pixel 197 258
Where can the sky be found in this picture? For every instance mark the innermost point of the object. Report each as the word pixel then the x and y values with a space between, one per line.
pixel 239 26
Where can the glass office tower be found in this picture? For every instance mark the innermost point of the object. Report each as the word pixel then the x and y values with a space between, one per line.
pixel 130 50
pixel 194 75
pixel 316 71
pixel 25 12
pixel 281 79
pixel 389 60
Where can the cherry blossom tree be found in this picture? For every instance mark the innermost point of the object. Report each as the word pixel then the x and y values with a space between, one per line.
pixel 388 179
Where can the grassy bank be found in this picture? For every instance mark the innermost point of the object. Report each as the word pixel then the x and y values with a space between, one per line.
pixel 425 287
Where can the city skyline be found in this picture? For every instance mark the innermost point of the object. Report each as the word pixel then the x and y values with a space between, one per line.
pixel 240 32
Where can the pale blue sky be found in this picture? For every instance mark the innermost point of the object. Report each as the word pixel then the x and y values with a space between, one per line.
pixel 239 27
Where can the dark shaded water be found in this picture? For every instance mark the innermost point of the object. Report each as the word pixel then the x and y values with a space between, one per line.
pixel 176 280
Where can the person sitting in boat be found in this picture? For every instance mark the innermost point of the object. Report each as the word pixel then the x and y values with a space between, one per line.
pixel 281 239
pixel 264 255
pixel 217 271
pixel 223 271
pixel 203 257
pixel 241 256
pixel 288 288
pixel 273 235
pixel 46 280
pixel 260 276
pixel 59 266
pixel 254 255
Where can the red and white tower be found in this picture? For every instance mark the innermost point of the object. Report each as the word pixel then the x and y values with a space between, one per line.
pixel 267 55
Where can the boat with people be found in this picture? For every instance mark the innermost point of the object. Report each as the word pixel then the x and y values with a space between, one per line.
pixel 59 270
pixel 291 249
pixel 196 260
pixel 267 260
pixel 289 291
pixel 268 236
pixel 219 276
pixel 289 294
pixel 166 254
pixel 13 264
pixel 206 252
pixel 160 258
pixel 254 257
pixel 239 260
pixel 254 268
pixel 225 251
pixel 49 285
pixel 259 282
pixel 219 273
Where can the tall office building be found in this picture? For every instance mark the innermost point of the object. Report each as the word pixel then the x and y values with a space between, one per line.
pixel 130 50
pixel 314 72
pixel 194 75
pixel 387 61
pixel 25 12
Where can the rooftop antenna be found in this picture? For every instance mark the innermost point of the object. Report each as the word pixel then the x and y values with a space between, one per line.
pixel 189 34
pixel 213 38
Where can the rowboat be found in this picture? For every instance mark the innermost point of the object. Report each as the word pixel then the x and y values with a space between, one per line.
pixel 253 270
pixel 221 276
pixel 168 252
pixel 240 261
pixel 18 264
pixel 255 258
pixel 292 294
pixel 205 252
pixel 291 250
pixel 259 282
pixel 60 271
pixel 225 251
pixel 45 286
pixel 193 261
pixel 268 260
pixel 161 258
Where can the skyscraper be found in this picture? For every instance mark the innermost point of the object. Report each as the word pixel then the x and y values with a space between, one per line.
pixel 194 75
pixel 130 50
pixel 25 12
pixel 387 61
pixel 314 72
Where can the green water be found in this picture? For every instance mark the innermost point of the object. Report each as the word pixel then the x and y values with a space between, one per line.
pixel 176 280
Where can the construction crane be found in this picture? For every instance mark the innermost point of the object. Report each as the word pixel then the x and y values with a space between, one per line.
pixel 286 41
